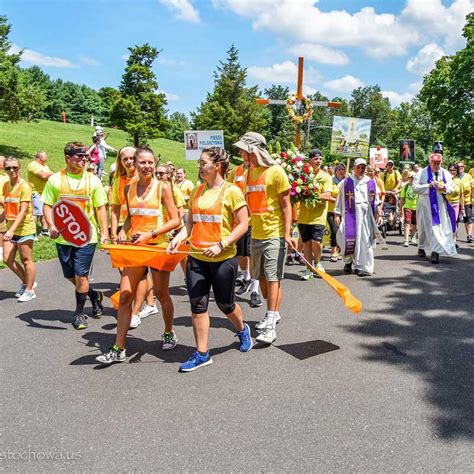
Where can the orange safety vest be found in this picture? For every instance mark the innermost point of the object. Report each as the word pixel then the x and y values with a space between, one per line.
pixel 239 177
pixel 145 213
pixel 11 206
pixel 81 197
pixel 207 223
pixel 257 194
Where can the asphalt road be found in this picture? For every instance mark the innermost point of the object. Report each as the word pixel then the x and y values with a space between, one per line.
pixel 389 390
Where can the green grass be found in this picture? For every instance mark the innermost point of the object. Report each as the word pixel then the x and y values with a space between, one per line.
pixel 23 140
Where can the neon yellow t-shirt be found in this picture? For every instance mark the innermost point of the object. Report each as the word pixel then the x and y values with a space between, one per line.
pixel 27 226
pixel 391 180
pixel 317 214
pixel 233 201
pixel 115 198
pixel 467 185
pixel 453 198
pixel 77 182
pixel 334 193
pixel 270 225
pixel 186 188
pixel 37 184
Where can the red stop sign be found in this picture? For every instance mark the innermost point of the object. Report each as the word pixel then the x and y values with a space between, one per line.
pixel 72 223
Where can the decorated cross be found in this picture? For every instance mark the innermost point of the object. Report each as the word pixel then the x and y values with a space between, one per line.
pixel 298 103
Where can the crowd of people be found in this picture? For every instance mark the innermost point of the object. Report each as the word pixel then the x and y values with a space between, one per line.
pixel 240 225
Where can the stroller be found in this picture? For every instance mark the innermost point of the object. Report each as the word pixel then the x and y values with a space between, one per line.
pixel 391 216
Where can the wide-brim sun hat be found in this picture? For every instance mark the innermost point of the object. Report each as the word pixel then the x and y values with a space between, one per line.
pixel 253 142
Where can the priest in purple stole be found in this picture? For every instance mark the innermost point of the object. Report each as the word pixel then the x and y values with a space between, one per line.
pixel 358 209
pixel 435 217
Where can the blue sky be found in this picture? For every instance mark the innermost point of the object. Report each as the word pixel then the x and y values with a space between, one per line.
pixel 392 43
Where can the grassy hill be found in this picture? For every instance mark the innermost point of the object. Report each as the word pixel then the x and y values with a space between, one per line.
pixel 24 139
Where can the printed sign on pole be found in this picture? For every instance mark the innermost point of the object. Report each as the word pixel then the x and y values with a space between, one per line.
pixel 72 223
pixel 407 151
pixel 196 140
pixel 379 157
pixel 350 136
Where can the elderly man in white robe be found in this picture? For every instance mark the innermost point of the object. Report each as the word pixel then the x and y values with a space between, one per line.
pixel 358 213
pixel 435 217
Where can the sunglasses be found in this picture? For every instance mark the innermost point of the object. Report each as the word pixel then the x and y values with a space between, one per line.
pixel 161 173
pixel 11 168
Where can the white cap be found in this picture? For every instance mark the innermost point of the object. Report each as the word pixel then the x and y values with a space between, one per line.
pixel 360 161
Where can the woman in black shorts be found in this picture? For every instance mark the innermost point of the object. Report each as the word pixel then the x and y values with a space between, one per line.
pixel 218 217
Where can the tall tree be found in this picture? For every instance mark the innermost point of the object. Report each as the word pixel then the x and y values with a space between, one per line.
pixel 231 106
pixel 280 129
pixel 140 109
pixel 19 99
pixel 368 102
pixel 178 124
pixel 448 93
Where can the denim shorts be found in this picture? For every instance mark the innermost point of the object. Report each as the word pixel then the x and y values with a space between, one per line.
pixel 37 204
pixel 19 239
pixel 75 261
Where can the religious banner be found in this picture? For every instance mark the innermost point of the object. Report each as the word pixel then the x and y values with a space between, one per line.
pixel 379 157
pixel 407 152
pixel 196 140
pixel 350 137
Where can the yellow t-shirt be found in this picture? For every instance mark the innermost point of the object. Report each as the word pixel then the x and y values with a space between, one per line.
pixel 391 180
pixel 27 227
pixel 186 188
pixel 233 201
pixel 316 215
pixel 334 193
pixel 37 184
pixel 467 185
pixel 453 198
pixel 178 197
pixel 270 225
pixel 115 195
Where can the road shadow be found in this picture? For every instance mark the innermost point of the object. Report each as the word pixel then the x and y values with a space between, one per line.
pixel 427 328
pixel 137 348
pixel 7 295
pixel 39 319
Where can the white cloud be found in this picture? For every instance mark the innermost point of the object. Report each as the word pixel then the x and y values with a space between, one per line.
pixel 318 53
pixel 168 61
pixel 33 57
pixel 170 97
pixel 396 98
pixel 345 84
pixel 283 73
pixel 415 87
pixel 88 61
pixel 379 35
pixel 184 10
pixel 425 60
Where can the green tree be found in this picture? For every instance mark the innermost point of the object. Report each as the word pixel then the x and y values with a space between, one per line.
pixel 368 102
pixel 109 96
pixel 178 124
pixel 280 129
pixel 140 109
pixel 448 94
pixel 19 99
pixel 231 106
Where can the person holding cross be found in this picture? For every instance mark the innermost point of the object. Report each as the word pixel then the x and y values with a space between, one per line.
pixel 358 213
pixel 84 189
pixel 268 198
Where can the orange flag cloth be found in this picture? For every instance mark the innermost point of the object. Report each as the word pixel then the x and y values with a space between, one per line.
pixel 153 256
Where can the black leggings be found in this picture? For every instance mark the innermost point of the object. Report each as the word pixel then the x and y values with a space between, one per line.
pixel 333 227
pixel 200 276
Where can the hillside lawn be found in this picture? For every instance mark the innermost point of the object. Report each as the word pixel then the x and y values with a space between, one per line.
pixel 24 139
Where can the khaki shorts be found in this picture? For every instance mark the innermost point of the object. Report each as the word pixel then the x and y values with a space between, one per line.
pixel 268 258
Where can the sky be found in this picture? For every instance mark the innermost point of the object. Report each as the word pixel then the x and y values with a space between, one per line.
pixel 345 43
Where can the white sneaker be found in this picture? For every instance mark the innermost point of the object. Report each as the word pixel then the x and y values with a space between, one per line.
pixel 23 289
pixel 406 243
pixel 148 310
pixel 264 322
pixel 414 241
pixel 135 322
pixel 27 296
pixel 267 335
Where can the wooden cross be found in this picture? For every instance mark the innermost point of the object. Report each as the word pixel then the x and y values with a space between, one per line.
pixel 299 95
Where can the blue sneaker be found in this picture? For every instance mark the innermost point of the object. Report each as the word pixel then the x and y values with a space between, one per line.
pixel 246 342
pixel 195 362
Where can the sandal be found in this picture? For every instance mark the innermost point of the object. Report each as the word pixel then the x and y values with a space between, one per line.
pixel 333 258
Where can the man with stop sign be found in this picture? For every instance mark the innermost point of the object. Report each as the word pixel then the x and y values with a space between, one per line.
pixel 74 184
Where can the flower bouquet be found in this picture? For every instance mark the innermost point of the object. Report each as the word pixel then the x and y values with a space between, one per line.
pixel 304 186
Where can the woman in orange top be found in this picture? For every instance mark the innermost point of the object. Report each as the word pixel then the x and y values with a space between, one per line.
pixel 218 217
pixel 146 198
pixel 21 229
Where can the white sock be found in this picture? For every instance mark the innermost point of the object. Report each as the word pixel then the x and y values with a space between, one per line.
pixel 246 274
pixel 271 318
pixel 254 286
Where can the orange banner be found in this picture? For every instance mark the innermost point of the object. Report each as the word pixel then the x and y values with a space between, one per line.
pixel 153 256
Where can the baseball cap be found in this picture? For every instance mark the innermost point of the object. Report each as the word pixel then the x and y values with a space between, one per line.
pixel 360 161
